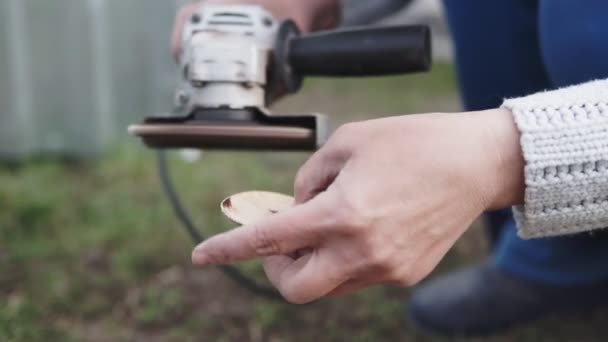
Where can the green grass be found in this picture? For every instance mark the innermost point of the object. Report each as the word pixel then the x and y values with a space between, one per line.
pixel 92 252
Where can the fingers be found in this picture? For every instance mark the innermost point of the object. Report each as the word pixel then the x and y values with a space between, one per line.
pixel 306 279
pixel 318 173
pixel 283 233
pixel 180 20
pixel 310 277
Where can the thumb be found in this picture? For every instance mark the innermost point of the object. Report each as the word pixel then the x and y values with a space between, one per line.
pixel 318 173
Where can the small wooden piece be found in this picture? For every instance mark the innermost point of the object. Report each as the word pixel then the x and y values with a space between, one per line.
pixel 250 207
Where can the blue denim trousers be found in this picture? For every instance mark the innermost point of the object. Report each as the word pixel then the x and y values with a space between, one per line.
pixel 510 48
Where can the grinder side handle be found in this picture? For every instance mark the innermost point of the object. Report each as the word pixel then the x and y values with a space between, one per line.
pixel 376 51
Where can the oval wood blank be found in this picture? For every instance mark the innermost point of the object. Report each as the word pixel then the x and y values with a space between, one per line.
pixel 249 207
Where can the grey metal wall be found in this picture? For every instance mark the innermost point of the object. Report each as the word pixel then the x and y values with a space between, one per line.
pixel 75 73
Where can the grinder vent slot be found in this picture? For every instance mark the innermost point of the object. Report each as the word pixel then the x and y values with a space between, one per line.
pixel 231 18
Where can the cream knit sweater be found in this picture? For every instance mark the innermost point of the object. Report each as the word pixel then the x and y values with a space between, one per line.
pixel 564 137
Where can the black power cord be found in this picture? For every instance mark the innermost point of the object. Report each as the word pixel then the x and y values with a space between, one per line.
pixel 197 237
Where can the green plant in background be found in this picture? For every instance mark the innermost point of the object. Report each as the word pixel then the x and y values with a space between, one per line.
pixel 20 320
pixel 156 305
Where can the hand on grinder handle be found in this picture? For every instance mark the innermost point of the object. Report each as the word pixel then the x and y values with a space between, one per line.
pixel 381 203
pixel 310 15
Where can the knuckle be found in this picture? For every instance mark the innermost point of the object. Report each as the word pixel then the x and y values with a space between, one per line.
pixel 345 132
pixel 295 296
pixel 301 183
pixel 397 277
pixel 350 128
pixel 404 277
pixel 379 260
pixel 264 244
pixel 353 214
pixel 220 256
pixel 405 281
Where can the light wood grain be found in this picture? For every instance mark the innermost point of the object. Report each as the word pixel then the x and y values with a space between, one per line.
pixel 250 207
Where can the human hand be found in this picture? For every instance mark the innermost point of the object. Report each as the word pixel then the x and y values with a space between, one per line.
pixel 309 15
pixel 381 203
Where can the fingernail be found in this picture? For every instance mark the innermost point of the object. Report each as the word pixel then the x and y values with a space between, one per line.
pixel 199 257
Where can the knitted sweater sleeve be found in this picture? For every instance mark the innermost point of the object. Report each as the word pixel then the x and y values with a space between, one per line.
pixel 564 137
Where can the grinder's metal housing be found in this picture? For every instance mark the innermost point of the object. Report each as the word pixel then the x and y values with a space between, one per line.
pixel 226 54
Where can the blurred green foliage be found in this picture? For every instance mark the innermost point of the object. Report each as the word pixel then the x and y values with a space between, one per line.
pixel 90 251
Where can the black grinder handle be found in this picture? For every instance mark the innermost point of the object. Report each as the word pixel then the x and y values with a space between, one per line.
pixel 376 51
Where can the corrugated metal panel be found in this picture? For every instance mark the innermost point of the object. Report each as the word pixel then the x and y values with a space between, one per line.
pixel 75 73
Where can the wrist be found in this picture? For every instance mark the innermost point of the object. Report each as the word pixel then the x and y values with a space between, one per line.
pixel 501 141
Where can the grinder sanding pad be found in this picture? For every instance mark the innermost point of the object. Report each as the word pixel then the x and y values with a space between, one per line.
pixel 223 136
pixel 250 207
pixel 240 129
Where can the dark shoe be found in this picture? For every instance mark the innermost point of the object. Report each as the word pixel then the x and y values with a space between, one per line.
pixel 483 300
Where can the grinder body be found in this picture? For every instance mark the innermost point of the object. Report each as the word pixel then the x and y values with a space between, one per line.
pixel 237 58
